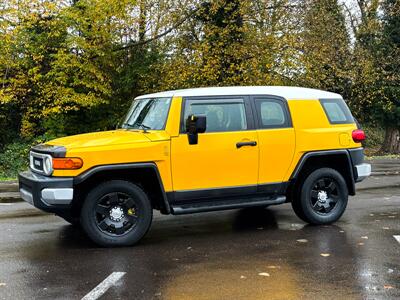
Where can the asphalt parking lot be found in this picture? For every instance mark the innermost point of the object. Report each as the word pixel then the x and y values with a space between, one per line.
pixel 239 254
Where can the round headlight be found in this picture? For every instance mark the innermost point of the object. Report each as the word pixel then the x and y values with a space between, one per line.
pixel 47 165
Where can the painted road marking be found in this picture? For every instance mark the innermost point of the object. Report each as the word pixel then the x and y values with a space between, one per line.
pixel 397 238
pixel 103 287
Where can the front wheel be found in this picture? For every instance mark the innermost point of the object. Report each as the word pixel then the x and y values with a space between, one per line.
pixel 323 197
pixel 116 213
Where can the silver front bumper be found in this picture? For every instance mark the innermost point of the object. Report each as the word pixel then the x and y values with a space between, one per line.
pixel 56 196
pixel 50 196
pixel 363 171
pixel 26 196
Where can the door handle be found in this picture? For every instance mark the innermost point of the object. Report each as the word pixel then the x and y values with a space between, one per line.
pixel 242 144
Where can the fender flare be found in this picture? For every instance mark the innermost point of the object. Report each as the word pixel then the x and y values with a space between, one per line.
pixel 308 155
pixel 130 166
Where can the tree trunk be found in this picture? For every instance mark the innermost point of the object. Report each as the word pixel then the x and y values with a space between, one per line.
pixel 391 143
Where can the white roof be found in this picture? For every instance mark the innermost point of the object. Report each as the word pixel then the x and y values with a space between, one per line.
pixel 287 92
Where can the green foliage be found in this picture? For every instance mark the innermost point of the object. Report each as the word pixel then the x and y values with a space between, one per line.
pixel 326 48
pixel 14 158
pixel 375 137
pixel 73 66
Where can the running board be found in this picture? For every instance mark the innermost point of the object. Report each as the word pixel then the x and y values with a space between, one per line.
pixel 190 208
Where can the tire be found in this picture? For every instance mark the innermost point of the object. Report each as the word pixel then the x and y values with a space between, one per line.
pixel 322 197
pixel 116 213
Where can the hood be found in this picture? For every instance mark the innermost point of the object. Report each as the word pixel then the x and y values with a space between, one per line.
pixel 103 138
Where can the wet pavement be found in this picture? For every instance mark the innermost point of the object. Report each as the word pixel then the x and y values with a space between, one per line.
pixel 238 254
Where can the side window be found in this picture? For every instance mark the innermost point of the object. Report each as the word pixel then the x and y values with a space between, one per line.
pixel 222 115
pixel 337 111
pixel 272 113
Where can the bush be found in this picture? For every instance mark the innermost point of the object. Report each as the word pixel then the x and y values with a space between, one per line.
pixel 373 142
pixel 14 158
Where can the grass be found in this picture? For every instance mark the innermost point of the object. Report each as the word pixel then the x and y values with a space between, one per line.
pixel 387 156
pixel 7 179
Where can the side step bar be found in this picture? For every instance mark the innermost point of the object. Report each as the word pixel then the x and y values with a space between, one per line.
pixel 190 208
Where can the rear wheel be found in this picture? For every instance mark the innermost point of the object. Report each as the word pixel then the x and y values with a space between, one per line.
pixel 116 213
pixel 322 197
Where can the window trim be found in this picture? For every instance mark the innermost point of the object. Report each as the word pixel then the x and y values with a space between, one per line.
pixel 346 111
pixel 220 99
pixel 166 119
pixel 259 125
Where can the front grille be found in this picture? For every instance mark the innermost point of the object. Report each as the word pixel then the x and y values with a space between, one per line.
pixel 38 163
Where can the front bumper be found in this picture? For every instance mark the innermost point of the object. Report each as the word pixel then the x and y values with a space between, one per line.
pixel 51 194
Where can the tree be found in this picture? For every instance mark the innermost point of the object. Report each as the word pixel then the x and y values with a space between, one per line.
pixel 389 104
pixel 325 44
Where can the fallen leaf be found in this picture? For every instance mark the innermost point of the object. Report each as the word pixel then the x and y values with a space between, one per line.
pixel 388 287
pixel 264 274
pixel 325 254
pixel 273 267
pixel 302 241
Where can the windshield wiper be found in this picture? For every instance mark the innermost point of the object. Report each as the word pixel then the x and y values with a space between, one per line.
pixel 144 127
pixel 140 125
pixel 128 125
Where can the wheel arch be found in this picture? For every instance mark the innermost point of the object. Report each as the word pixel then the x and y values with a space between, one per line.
pixel 338 160
pixel 146 175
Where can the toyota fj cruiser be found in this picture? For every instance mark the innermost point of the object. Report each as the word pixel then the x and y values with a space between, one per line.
pixel 199 150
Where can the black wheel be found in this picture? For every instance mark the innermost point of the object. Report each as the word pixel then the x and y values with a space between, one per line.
pixel 322 197
pixel 116 213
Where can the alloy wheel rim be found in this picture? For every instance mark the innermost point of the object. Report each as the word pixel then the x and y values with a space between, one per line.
pixel 325 195
pixel 116 213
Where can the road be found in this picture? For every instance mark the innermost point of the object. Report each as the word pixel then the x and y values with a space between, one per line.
pixel 238 254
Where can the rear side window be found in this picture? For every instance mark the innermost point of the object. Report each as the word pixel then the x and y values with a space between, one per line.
pixel 337 111
pixel 272 113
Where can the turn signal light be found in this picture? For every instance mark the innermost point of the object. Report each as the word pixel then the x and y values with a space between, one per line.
pixel 68 163
pixel 358 135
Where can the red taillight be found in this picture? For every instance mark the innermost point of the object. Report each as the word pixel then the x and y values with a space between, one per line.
pixel 358 135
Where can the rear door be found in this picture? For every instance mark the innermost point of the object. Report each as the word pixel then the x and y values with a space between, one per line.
pixel 225 160
pixel 276 137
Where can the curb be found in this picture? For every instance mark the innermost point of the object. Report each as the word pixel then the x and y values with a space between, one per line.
pixel 378 187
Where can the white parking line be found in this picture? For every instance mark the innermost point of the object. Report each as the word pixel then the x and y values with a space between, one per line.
pixel 103 287
pixel 397 238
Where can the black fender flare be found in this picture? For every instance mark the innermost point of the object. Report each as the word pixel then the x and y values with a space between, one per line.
pixel 308 155
pixel 129 166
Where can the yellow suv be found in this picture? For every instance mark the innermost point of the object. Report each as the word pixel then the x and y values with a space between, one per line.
pixel 198 150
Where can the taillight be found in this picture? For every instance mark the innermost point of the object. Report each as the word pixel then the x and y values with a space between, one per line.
pixel 358 135
pixel 68 163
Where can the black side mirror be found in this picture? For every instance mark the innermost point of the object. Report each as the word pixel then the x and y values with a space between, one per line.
pixel 194 126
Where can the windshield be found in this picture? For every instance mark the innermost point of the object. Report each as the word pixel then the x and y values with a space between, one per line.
pixel 147 114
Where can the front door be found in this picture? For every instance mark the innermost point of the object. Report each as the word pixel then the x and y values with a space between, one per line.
pixel 225 160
